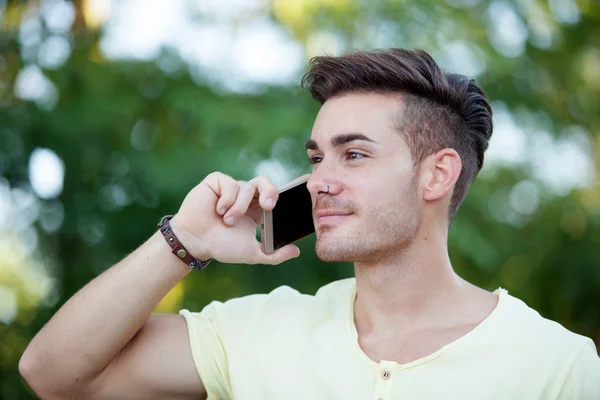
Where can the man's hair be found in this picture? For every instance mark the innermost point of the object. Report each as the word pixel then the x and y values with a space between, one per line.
pixel 443 110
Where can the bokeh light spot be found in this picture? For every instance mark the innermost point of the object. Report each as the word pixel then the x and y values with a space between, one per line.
pixel 46 173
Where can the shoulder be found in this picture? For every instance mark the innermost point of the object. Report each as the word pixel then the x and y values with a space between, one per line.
pixel 285 296
pixel 281 307
pixel 534 351
pixel 536 337
pixel 528 325
pixel 583 379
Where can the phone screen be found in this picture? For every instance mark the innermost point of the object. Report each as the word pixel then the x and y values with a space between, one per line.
pixel 292 216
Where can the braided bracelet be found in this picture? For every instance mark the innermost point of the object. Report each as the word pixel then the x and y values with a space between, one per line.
pixel 177 248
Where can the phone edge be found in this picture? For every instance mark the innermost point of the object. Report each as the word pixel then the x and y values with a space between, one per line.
pixel 292 185
pixel 267 232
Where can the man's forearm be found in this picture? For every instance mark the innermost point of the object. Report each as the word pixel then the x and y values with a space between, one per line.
pixel 92 327
pixel 81 349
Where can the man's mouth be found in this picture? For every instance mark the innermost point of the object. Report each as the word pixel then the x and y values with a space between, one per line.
pixel 328 217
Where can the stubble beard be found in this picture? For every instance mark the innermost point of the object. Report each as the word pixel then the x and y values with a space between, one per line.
pixel 381 234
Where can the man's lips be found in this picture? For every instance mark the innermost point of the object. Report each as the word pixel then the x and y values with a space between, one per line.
pixel 329 216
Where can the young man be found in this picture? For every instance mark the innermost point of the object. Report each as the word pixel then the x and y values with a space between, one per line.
pixel 395 147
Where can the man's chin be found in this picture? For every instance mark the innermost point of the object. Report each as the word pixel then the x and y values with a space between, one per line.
pixel 332 257
pixel 329 252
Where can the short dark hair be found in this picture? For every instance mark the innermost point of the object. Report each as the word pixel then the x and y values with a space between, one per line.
pixel 443 109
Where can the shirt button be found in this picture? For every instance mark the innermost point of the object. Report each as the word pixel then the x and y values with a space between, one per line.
pixel 385 375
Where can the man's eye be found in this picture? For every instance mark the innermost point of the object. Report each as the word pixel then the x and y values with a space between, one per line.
pixel 315 159
pixel 355 156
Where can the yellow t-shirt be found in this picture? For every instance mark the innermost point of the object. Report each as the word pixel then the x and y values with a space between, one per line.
pixel 287 345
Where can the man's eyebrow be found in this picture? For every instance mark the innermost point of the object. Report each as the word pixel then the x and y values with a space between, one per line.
pixel 344 138
pixel 311 145
pixel 339 140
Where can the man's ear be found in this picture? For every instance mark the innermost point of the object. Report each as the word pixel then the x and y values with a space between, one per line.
pixel 443 170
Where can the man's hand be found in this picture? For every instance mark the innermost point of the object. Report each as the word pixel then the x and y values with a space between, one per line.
pixel 218 219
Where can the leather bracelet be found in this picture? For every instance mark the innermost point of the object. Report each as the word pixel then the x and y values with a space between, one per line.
pixel 177 248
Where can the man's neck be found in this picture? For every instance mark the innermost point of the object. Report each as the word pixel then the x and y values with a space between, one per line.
pixel 413 303
pixel 415 288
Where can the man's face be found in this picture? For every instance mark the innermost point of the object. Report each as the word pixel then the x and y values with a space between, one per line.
pixel 372 210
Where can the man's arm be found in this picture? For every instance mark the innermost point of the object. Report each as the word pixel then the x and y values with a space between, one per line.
pixel 103 339
pixel 103 342
pixel 156 364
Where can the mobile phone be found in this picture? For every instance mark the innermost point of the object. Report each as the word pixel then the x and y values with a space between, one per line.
pixel 291 218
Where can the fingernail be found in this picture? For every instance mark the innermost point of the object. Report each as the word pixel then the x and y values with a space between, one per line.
pixel 230 220
pixel 222 211
pixel 269 202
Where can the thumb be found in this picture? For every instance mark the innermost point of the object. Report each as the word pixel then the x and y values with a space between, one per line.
pixel 278 256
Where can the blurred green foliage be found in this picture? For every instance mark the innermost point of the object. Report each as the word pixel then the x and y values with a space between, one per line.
pixel 135 137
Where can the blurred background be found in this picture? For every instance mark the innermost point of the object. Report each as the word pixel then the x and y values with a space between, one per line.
pixel 111 111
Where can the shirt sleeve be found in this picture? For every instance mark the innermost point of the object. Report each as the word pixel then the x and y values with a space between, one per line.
pixel 583 381
pixel 215 338
pixel 208 350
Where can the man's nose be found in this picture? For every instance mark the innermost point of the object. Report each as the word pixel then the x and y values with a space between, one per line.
pixel 321 184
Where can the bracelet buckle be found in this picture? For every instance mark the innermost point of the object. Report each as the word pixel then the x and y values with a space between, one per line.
pixel 177 248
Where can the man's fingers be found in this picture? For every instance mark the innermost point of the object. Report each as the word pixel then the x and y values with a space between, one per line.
pixel 227 190
pixel 239 208
pixel 278 256
pixel 267 191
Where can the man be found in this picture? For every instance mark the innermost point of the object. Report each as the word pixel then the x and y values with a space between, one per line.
pixel 395 147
